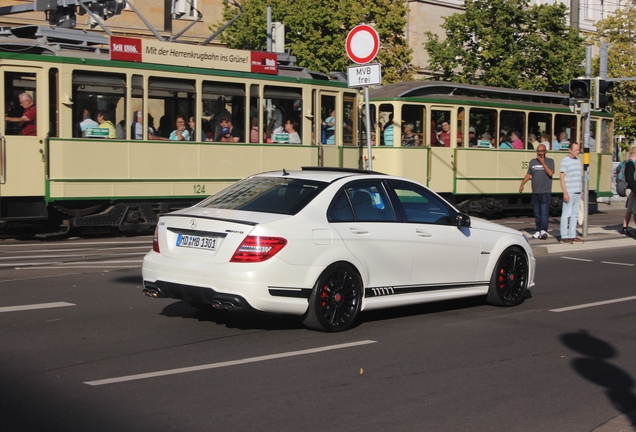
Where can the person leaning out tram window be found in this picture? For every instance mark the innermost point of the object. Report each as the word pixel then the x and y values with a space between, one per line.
pixel 29 115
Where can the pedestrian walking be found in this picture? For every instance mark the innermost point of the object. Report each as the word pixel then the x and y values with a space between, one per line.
pixel 540 170
pixel 571 172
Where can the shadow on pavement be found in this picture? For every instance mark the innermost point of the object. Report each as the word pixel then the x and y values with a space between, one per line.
pixel 594 367
pixel 235 320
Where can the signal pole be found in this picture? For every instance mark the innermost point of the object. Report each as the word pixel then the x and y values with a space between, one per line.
pixel 585 111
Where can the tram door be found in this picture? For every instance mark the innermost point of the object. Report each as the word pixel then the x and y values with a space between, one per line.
pixel 22 136
pixel 444 137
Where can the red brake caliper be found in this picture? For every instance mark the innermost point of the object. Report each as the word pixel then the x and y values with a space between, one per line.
pixel 323 295
pixel 502 278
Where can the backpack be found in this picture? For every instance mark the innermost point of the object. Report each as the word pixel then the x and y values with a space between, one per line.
pixel 621 183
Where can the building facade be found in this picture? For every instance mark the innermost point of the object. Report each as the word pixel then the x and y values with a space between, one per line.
pixel 179 19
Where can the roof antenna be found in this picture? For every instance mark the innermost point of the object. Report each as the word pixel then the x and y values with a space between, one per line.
pixel 285 173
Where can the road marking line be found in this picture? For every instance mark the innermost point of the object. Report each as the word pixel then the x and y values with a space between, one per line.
pixel 35 306
pixel 76 267
pixel 86 256
pixel 80 243
pixel 130 261
pixel 83 249
pixel 617 263
pixel 601 303
pixel 578 259
pixel 26 264
pixel 226 364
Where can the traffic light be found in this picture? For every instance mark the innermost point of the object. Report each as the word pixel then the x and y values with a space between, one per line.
pixel 601 98
pixel 565 88
pixel 579 89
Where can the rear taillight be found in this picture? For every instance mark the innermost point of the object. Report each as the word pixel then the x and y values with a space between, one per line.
pixel 155 241
pixel 257 249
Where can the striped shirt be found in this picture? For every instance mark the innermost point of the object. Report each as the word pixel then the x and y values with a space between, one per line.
pixel 573 174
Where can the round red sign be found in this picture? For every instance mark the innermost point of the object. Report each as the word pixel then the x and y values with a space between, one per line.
pixel 363 44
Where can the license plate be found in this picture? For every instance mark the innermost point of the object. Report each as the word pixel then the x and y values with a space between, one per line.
pixel 198 242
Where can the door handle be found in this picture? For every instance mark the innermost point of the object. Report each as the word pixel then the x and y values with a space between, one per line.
pixel 422 233
pixel 358 230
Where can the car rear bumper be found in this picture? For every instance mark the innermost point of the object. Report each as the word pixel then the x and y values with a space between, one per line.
pixel 242 286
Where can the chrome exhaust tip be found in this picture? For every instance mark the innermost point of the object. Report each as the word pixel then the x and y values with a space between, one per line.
pixel 217 304
pixel 153 292
pixel 228 305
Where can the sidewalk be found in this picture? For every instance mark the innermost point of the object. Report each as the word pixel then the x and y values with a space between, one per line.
pixel 603 232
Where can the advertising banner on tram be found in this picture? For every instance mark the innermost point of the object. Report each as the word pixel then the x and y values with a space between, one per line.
pixel 169 53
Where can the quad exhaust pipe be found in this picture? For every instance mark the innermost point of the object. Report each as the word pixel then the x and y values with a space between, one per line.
pixel 153 291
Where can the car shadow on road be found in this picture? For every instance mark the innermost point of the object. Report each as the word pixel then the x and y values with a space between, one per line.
pixel 421 309
pixel 235 320
pixel 593 365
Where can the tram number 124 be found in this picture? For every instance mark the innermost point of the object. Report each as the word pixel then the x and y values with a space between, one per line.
pixel 199 189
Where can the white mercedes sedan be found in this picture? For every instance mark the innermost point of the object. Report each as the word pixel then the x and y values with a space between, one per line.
pixel 325 244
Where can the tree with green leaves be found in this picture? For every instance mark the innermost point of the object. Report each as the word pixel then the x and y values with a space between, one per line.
pixel 619 31
pixel 317 31
pixel 507 43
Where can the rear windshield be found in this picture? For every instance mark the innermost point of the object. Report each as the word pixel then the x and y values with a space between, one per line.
pixel 266 195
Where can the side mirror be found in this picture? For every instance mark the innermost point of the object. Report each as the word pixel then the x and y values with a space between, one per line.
pixel 462 220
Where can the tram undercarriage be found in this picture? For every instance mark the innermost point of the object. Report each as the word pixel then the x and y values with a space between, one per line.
pixel 490 207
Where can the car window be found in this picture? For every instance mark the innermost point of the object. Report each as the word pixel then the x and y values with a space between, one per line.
pixel 266 195
pixel 363 202
pixel 421 206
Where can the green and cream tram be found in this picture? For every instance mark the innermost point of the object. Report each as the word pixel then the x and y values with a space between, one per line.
pixel 69 174
pixel 474 170
pixel 73 175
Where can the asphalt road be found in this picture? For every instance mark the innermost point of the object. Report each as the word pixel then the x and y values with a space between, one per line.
pixel 82 349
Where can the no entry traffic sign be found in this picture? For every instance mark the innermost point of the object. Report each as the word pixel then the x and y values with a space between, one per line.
pixel 363 44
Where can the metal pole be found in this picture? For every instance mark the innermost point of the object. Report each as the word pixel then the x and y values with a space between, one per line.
pixel 368 119
pixel 602 72
pixel 585 111
pixel 269 28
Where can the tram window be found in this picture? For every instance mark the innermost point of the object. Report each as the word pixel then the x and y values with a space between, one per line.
pixel 388 128
pixel 224 101
pixel 485 123
pixel 167 99
pixel 513 121
pixel 349 118
pixel 136 105
pixel 593 134
pixel 441 129
pixel 281 104
pixel 94 92
pixel 373 120
pixel 606 136
pixel 539 124
pixel 255 136
pixel 415 115
pixel 327 114
pixel 54 115
pixel 565 131
pixel 16 84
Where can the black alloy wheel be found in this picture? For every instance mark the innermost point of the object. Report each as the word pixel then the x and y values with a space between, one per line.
pixel 336 299
pixel 509 279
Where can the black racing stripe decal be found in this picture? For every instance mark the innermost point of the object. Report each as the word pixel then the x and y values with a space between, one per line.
pixel 396 290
